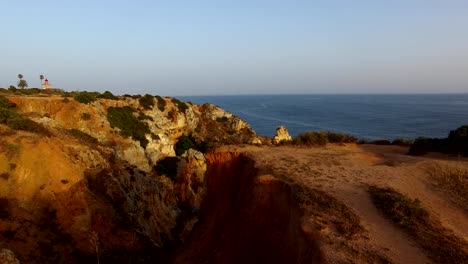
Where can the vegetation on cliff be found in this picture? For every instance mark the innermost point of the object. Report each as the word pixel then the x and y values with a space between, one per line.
pixel 11 118
pixel 130 126
pixel 456 143
pixel 321 138
pixel 180 105
pixel 107 95
pixel 161 103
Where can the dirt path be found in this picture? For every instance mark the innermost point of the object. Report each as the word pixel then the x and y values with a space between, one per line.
pixel 345 172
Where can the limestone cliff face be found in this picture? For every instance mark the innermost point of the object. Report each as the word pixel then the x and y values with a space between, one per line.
pixel 207 122
pixel 67 200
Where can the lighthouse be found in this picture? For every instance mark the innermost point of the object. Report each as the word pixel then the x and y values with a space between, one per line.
pixel 46 85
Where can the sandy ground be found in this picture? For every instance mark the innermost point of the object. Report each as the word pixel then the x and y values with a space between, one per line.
pixel 345 172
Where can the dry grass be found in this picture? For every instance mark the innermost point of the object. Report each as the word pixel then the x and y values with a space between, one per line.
pixel 439 243
pixel 328 211
pixel 453 181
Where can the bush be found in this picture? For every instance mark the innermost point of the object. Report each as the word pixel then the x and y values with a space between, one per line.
pixel 322 138
pixel 6 114
pixel 30 91
pixel 107 95
pixel 184 143
pixel 455 143
pixel 222 119
pixel 458 141
pixel 204 146
pixel 170 114
pixel 161 103
pixel 180 105
pixel 5 103
pixel 168 166
pixel 18 122
pixel 82 136
pixel 86 97
pixel 12 88
pixel 124 119
pixel 85 116
pixel 147 101
pixel 67 94
pixel 403 211
pixel 439 243
pixel 424 145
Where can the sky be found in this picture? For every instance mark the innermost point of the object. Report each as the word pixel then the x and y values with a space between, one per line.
pixel 237 47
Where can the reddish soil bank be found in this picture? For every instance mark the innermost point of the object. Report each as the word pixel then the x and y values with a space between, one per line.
pixel 247 218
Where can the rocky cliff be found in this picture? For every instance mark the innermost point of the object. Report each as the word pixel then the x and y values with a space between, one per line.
pixel 103 181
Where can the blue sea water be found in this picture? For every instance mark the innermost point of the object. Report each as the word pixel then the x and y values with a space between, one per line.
pixel 364 116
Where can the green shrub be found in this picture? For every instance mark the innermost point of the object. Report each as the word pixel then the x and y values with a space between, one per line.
pixel 67 94
pixel 18 122
pixel 6 114
pixel 184 143
pixel 86 97
pixel 168 166
pixel 439 243
pixel 424 145
pixel 222 119
pixel 180 105
pixel 30 91
pixel 170 114
pixel 455 143
pixel 124 119
pixel 458 141
pixel 82 136
pixel 107 95
pixel 321 138
pixel 85 116
pixel 12 88
pixel 147 101
pixel 5 103
pixel 161 103
pixel 403 211
pixel 204 146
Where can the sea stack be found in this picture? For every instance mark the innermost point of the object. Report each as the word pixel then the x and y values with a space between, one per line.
pixel 282 135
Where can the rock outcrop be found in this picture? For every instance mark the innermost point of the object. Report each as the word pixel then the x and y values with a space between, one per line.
pixel 92 188
pixel 85 190
pixel 281 135
pixel 8 257
pixel 208 123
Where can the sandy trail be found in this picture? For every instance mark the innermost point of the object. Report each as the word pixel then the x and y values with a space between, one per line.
pixel 345 172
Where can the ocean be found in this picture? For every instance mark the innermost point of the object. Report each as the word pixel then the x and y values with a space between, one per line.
pixel 367 117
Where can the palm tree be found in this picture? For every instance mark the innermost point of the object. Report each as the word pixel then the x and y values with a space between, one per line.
pixel 41 77
pixel 22 83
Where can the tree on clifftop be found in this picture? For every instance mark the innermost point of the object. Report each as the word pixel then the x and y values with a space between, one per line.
pixel 22 83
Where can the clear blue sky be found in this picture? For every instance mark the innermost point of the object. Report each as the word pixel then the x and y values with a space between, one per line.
pixel 237 47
